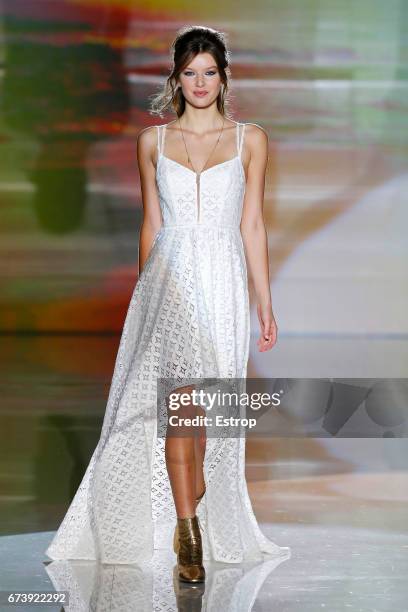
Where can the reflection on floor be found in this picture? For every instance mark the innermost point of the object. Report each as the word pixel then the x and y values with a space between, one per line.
pixel 349 550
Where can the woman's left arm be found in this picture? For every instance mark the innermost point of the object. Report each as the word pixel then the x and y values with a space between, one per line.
pixel 254 235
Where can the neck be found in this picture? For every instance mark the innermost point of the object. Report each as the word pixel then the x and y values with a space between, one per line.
pixel 201 120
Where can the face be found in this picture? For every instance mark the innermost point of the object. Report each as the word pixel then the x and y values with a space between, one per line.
pixel 200 80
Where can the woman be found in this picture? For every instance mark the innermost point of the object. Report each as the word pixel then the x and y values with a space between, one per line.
pixel 188 320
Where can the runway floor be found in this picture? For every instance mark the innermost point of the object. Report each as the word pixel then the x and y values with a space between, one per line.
pixel 349 551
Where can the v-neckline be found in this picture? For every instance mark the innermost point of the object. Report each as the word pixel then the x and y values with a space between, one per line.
pixel 227 161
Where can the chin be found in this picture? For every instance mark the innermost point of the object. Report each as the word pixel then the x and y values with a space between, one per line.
pixel 201 101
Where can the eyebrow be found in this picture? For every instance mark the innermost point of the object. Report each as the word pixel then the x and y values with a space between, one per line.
pixel 208 67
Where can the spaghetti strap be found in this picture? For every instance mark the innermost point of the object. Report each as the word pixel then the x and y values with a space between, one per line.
pixel 240 139
pixel 160 137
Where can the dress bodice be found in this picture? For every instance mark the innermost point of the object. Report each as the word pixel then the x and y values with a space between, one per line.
pixel 216 199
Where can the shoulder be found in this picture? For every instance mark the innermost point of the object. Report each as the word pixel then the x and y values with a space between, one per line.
pixel 147 137
pixel 146 145
pixel 255 142
pixel 255 134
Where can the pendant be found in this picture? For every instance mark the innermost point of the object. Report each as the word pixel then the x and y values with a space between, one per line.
pixel 198 195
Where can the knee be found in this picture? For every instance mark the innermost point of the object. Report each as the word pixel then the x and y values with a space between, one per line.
pixel 179 397
pixel 180 401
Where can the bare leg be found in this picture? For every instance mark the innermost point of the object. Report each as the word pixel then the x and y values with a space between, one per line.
pixel 199 452
pixel 184 461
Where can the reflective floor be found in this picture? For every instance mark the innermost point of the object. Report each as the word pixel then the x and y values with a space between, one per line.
pixel 349 550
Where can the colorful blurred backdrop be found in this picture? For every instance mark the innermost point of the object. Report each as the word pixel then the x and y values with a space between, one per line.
pixel 326 79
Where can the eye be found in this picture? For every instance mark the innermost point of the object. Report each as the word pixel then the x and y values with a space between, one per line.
pixel 188 72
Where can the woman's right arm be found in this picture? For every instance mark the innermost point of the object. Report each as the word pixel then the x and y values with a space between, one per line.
pixel 152 218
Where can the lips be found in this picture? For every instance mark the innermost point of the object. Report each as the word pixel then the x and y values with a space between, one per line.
pixel 200 93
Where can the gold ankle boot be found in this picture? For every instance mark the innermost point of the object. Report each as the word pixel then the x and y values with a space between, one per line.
pixel 176 537
pixel 190 554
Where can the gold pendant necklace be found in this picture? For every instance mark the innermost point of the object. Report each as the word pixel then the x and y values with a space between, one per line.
pixel 198 174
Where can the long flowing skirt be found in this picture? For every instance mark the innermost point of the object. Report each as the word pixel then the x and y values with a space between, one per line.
pixel 188 319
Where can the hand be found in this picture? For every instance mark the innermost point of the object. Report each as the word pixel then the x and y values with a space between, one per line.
pixel 269 329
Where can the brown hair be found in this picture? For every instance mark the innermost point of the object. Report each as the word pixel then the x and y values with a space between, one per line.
pixel 190 41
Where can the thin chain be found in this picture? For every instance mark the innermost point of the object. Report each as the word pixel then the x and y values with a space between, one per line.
pixel 188 156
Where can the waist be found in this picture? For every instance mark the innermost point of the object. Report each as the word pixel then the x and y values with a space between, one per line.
pixel 199 227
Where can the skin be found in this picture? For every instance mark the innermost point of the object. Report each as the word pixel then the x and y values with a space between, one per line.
pixel 201 123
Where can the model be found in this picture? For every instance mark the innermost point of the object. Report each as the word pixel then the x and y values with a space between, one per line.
pixel 202 182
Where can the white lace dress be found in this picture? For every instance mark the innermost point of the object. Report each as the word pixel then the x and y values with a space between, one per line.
pixel 188 318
